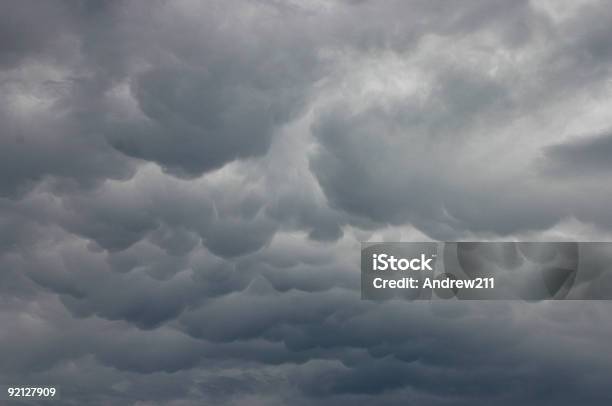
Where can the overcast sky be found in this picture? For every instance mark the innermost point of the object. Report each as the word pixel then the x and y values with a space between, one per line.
pixel 184 186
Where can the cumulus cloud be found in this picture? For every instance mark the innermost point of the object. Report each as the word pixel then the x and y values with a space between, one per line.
pixel 184 186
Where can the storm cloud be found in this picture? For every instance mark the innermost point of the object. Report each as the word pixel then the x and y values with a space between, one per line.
pixel 184 187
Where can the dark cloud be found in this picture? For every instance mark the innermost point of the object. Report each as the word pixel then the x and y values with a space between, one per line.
pixel 213 94
pixel 585 156
pixel 29 30
pixel 418 177
pixel 184 186
pixel 41 128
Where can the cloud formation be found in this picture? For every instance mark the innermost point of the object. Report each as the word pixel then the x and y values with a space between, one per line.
pixel 184 186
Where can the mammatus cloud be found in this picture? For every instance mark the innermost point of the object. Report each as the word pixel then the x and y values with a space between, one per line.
pixel 586 156
pixel 184 187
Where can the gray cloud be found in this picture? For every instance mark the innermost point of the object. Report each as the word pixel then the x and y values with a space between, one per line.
pixel 586 156
pixel 183 189
pixel 29 30
pixel 203 109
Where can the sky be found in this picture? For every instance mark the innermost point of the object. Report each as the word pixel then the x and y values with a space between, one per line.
pixel 184 187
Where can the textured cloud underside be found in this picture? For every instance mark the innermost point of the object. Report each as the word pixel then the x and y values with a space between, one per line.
pixel 184 185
